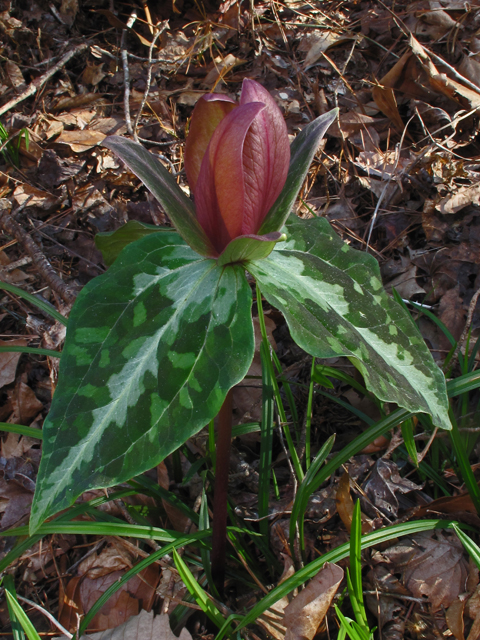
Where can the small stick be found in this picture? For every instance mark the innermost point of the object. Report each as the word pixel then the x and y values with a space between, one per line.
pixel 468 323
pixel 220 496
pixel 10 226
pixel 149 76
pixel 34 86
pixel 126 72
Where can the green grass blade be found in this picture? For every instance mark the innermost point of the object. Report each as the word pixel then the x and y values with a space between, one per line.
pixel 278 399
pixel 304 492
pixel 308 422
pixel 201 598
pixel 339 553
pixel 21 430
pixel 356 566
pixel 44 306
pixel 34 350
pixel 140 566
pixel 27 626
pixel 463 463
pixel 17 631
pixel 266 441
pixel 462 384
pixel 408 439
pixel 472 549
pixel 204 525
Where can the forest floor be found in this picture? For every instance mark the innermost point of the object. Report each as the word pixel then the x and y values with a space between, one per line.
pixel 397 175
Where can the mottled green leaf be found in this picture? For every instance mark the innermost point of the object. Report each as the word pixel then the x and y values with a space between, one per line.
pixel 162 185
pixel 152 348
pixel 110 243
pixel 252 247
pixel 334 302
pixel 302 150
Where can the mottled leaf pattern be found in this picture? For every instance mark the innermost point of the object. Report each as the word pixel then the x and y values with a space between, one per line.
pixel 110 243
pixel 152 348
pixel 334 302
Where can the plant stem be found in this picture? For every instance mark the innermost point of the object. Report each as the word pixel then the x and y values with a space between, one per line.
pixel 219 534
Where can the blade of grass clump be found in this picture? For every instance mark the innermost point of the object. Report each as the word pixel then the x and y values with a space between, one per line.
pixel 339 553
pixel 31 432
pixel 304 491
pixel 463 463
pixel 144 485
pixel 266 441
pixel 86 508
pixel 17 631
pixel 204 525
pixel 308 421
pixel 351 628
pixel 21 616
pixel 37 351
pixel 43 305
pixel 322 371
pixel 354 575
pixel 472 549
pixel 278 399
pixel 407 428
pixel 140 566
pixel 201 597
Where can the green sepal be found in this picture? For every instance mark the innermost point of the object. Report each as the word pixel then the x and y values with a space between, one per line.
pixel 334 303
pixel 250 247
pixel 302 150
pixel 152 348
pixel 162 185
pixel 110 243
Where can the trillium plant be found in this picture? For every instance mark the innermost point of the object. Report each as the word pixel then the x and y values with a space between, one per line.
pixel 155 344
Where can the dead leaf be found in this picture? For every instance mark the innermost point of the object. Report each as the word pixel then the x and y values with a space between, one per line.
pixel 36 197
pixel 307 610
pixel 141 627
pixel 318 41
pixel 443 84
pixel 460 198
pixel 68 11
pixel 406 283
pixel 93 74
pixel 177 518
pixel 24 403
pixel 384 483
pixel 433 565
pixel 454 618
pixel 385 100
pixel 221 68
pixel 74 102
pixel 470 68
pixel 9 361
pixel 344 501
pixel 80 141
pixel 15 75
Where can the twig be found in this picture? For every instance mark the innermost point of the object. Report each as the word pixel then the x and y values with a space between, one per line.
pixel 398 150
pixel 34 86
pixel 160 30
pixel 468 323
pixel 126 72
pixel 10 226
pixel 47 614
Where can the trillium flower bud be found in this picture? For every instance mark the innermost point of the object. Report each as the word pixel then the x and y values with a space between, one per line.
pixel 236 159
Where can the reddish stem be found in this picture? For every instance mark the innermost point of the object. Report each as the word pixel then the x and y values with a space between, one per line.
pixel 219 534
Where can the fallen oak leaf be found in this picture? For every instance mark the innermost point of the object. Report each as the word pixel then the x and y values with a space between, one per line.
pixel 307 610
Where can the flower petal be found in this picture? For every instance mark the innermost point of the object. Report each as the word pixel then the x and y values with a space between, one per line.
pixel 220 190
pixel 266 156
pixel 209 111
